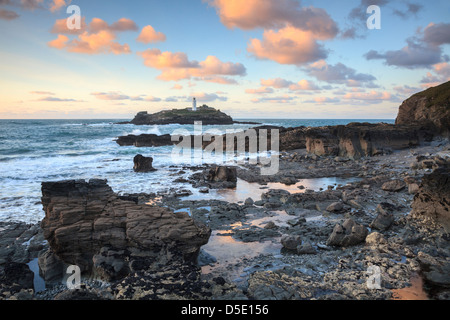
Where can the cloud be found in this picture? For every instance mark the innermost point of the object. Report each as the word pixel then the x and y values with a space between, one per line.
pixel 149 35
pixel 59 43
pixel 339 73
pixel 421 51
pixel 118 96
pixel 202 97
pixel 267 14
pixel 372 96
pixel 276 83
pixel 177 66
pixel 8 15
pixel 260 90
pixel 112 95
pixel 287 46
pixel 56 5
pixel 303 85
pixel 407 90
pixel 56 99
pixel 60 27
pixel 290 34
pixel 323 100
pixel 276 99
pixel 31 4
pixel 411 10
pixel 177 87
pixel 96 38
pixel 441 74
pixel 437 34
pixel 43 92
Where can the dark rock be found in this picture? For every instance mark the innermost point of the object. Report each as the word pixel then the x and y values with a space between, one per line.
pixel 145 140
pixel 143 164
pixel 82 218
pixel 219 177
pixel 348 234
pixel 291 242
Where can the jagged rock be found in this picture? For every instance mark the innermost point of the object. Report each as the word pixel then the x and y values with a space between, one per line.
pixel 348 234
pixel 431 203
pixel 143 164
pixel 385 218
pixel 88 225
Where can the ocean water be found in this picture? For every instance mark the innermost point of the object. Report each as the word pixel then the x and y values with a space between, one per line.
pixel 33 151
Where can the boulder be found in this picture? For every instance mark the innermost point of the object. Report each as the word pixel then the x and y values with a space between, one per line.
pixel 291 242
pixel 347 234
pixel 335 207
pixel 143 164
pixel 88 225
pixel 385 218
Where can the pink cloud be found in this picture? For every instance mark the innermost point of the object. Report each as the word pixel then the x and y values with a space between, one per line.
pixel 149 35
pixel 287 46
pixel 251 14
pixel 56 5
pixel 177 66
pixel 96 38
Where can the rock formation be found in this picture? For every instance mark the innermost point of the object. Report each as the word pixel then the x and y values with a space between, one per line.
pixel 431 203
pixel 348 234
pixel 88 225
pixel 143 164
pixel 357 140
pixel 431 106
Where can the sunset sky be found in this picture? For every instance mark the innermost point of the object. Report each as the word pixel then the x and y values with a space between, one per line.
pixel 250 59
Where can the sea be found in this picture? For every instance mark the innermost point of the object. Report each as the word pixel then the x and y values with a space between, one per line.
pixel 34 151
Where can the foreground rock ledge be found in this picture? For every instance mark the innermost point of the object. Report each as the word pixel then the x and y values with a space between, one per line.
pixel 88 225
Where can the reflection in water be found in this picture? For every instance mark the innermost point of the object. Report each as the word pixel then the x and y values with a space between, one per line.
pixel 254 190
pixel 414 292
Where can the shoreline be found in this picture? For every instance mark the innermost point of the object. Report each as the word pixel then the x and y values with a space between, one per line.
pixel 244 226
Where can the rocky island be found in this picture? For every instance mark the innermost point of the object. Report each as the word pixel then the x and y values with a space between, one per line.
pixel 204 113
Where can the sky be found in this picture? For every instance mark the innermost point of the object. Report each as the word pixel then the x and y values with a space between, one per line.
pixel 284 59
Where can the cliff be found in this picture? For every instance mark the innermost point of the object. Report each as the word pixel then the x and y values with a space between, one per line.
pixel 429 107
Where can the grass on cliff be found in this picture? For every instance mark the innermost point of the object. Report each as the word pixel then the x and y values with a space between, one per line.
pixel 187 112
pixel 439 95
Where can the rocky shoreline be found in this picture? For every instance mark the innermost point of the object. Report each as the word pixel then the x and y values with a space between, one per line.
pixel 307 244
pixel 356 212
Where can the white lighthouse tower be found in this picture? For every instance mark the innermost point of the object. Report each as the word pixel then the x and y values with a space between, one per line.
pixel 194 104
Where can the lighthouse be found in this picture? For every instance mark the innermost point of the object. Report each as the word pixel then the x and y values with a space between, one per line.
pixel 194 104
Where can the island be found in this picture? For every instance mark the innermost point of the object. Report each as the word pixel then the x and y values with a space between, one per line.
pixel 207 115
